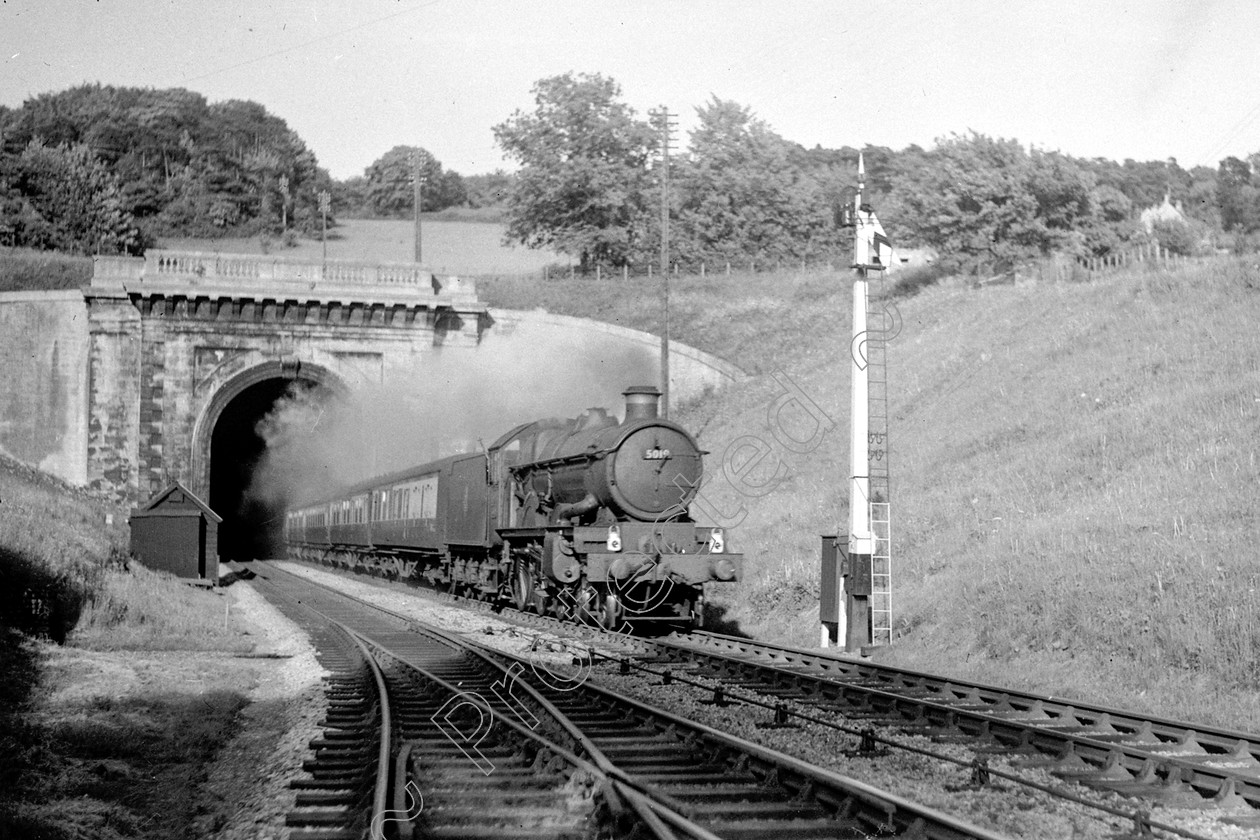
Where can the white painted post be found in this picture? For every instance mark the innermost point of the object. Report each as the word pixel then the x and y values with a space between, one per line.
pixel 861 542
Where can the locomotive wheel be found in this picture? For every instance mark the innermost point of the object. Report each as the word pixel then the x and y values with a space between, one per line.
pixel 612 612
pixel 586 607
pixel 562 606
pixel 523 589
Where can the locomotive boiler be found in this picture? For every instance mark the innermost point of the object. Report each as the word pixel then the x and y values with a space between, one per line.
pixel 585 519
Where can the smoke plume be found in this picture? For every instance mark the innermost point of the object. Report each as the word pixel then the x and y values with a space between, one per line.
pixel 455 400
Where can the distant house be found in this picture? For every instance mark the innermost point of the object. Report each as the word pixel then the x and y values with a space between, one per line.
pixel 1166 212
pixel 911 258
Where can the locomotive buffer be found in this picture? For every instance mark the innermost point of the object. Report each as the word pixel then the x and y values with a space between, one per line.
pixel 856 603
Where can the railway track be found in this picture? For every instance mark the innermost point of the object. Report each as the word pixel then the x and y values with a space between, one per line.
pixel 421 775
pixel 348 772
pixel 1170 762
pixel 493 751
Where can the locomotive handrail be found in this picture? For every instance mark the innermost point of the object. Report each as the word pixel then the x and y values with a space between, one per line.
pixel 597 455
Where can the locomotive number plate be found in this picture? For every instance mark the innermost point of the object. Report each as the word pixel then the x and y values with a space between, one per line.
pixel 656 455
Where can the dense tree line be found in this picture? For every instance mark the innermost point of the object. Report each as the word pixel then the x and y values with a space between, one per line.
pixel 103 169
pixel 591 169
pixel 148 163
pixel 109 169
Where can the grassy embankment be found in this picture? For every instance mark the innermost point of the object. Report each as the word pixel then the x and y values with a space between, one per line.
pixel 1074 470
pixel 25 269
pixel 102 737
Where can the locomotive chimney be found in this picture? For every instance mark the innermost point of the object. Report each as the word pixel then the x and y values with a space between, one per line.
pixel 643 402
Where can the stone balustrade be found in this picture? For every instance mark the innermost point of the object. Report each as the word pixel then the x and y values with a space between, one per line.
pixel 167 270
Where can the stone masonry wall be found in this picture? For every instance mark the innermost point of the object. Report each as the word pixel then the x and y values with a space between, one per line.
pixel 43 392
pixel 113 402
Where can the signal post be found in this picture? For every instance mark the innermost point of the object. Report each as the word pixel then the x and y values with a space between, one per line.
pixel 847 567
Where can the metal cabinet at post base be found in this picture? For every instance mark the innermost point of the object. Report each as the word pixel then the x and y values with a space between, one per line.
pixel 177 532
pixel 835 564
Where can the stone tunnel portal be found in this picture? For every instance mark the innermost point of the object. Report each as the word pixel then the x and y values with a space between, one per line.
pixel 252 510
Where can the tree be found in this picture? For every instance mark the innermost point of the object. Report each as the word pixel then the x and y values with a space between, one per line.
pixel 971 201
pixel 349 197
pixel 1111 224
pixel 1064 192
pixel 979 200
pixel 390 188
pixel 62 197
pixel 744 196
pixel 489 190
pixel 1200 198
pixel 188 167
pixel 583 184
pixel 1237 196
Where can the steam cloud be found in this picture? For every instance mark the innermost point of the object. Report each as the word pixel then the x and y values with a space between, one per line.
pixel 455 400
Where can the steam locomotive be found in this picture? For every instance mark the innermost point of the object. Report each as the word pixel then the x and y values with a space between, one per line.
pixel 585 519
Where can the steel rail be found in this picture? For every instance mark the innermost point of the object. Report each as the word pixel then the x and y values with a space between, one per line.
pixel 1218 740
pixel 384 728
pixel 782 712
pixel 1148 774
pixel 875 809
pixel 380 799
pixel 1085 745
pixel 878 805
pixel 658 813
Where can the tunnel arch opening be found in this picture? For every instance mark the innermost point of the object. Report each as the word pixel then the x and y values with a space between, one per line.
pixel 232 449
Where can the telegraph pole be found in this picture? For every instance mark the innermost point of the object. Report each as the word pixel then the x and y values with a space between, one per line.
pixel 417 180
pixel 325 204
pixel 666 125
pixel 284 202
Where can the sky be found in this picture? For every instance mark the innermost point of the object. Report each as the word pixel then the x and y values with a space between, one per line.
pixel 1144 80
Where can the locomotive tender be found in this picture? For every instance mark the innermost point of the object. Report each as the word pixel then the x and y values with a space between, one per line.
pixel 586 519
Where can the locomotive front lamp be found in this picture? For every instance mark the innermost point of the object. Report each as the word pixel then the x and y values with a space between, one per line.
pixel 614 538
pixel 717 541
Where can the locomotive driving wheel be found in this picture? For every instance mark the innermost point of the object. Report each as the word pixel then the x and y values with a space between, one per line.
pixel 612 612
pixel 561 605
pixel 523 588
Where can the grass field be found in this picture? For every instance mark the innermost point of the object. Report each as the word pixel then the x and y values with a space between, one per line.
pixel 98 739
pixel 1074 469
pixel 449 247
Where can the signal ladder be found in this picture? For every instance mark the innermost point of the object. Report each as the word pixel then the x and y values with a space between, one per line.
pixel 882 326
